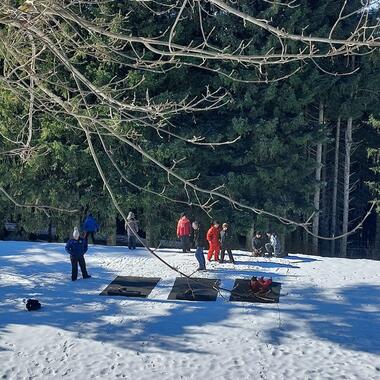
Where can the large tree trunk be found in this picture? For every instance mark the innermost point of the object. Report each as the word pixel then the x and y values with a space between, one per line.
pixel 346 186
pixel 317 193
pixel 325 210
pixel 31 92
pixel 249 237
pixel 335 186
pixel 50 231
pixel 150 234
pixel 111 224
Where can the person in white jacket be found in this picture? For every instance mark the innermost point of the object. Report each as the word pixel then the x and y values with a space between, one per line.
pixel 274 246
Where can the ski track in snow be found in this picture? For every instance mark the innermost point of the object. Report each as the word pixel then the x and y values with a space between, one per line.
pixel 326 326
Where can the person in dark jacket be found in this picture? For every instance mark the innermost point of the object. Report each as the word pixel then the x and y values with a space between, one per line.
pixel 226 243
pixel 199 244
pixel 77 247
pixel 184 232
pixel 258 245
pixel 132 228
pixel 90 226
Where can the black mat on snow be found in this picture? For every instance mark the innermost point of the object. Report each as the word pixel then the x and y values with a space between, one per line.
pixel 194 289
pixel 129 286
pixel 242 292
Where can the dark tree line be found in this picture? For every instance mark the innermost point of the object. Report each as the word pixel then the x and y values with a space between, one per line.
pixel 300 136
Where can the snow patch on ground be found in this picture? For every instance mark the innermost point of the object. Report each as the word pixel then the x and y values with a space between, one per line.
pixel 327 325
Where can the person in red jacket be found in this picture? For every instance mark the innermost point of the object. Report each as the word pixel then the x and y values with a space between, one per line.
pixel 213 238
pixel 184 232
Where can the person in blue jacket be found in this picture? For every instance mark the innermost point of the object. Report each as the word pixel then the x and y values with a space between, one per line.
pixel 77 247
pixel 90 226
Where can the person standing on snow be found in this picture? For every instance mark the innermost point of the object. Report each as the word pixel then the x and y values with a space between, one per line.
pixel 90 226
pixel 199 243
pixel 226 243
pixel 184 232
pixel 77 247
pixel 213 238
pixel 131 227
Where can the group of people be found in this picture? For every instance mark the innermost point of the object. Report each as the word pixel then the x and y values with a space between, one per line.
pixel 77 246
pixel 219 240
pixel 218 237
pixel 266 247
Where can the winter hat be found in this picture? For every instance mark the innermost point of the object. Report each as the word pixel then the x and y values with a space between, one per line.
pixel 131 215
pixel 76 233
pixel 195 224
pixel 225 225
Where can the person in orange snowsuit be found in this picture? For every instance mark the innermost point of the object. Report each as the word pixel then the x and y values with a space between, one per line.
pixel 213 238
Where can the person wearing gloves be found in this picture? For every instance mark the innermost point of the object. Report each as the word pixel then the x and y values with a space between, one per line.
pixel 77 247
pixel 132 228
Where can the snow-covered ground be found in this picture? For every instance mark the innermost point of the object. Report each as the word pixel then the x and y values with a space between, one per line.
pixel 326 326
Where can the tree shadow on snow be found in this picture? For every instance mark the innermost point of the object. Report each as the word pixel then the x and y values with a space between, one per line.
pixel 271 264
pixel 301 259
pixel 348 316
pixel 136 324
